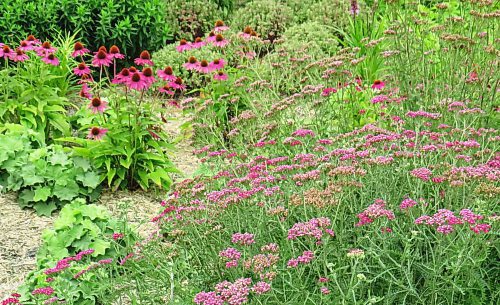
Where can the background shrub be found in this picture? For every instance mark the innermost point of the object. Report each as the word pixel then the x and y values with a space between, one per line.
pixel 133 25
pixel 269 18
pixel 317 37
pixel 191 19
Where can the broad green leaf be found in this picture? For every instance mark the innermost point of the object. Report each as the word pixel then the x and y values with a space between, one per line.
pixel 45 208
pixel 42 193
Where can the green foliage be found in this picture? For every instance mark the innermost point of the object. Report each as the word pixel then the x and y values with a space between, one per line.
pixel 79 227
pixel 269 18
pixel 134 25
pixel 191 19
pixel 46 177
pixel 317 37
pixel 34 94
pixel 330 12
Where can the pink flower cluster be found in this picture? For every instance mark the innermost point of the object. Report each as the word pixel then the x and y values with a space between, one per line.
pixel 445 221
pixel 303 133
pixel 422 173
pixel 100 263
pixel 232 293
pixel 407 203
pixel 243 239
pixel 305 258
pixel 315 228
pixel 374 211
pixel 233 255
pixel 66 262
pixel 43 290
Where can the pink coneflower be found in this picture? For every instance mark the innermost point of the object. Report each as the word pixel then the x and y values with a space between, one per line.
pixel 220 76
pixel 191 64
pixel 138 82
pixel 79 50
pixel 220 41
pixel 211 37
pixel 19 55
pixel 25 46
pixel 378 85
pixel 198 43
pixel 148 75
pixel 144 59
pixel 114 52
pixel 183 46
pixel 51 59
pixel 217 64
pixel 32 40
pixel 101 58
pixel 166 89
pixel 122 77
pixel 97 133
pixel 81 69
pixel 220 26
pixel 85 91
pixel 166 74
pixel 203 67
pixel 97 105
pixel 6 52
pixel 177 84
pixel 45 49
pixel 247 33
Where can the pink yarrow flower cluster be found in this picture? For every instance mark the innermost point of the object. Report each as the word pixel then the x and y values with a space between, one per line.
pixel 243 239
pixel 66 262
pixel 374 211
pixel 315 228
pixel 304 259
pixel 445 221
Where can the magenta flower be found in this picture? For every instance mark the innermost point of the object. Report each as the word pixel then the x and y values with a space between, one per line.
pixel 81 69
pixel 138 82
pixel 101 58
pixel 166 74
pixel 144 59
pixel 43 290
pixel 220 26
pixel 217 64
pixel 6 52
pixel 32 40
pixel 114 52
pixel 26 46
pixel 261 287
pixel 220 41
pixel 211 37
pixel 221 76
pixel 203 67
pixel 198 43
pixel 378 85
pixel 96 133
pixel 328 91
pixel 243 238
pixel 166 89
pixel 97 105
pixel 122 77
pixel 51 60
pixel 191 64
pixel 19 56
pixel 148 75
pixel 79 50
pixel 45 49
pixel 177 84
pixel 183 46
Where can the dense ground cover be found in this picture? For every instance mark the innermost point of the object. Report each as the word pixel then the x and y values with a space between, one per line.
pixel 342 161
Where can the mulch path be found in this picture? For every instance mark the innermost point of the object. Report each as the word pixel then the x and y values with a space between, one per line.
pixel 21 230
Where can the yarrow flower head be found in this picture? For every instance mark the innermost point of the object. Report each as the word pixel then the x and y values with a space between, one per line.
pixel 374 211
pixel 243 238
pixel 303 133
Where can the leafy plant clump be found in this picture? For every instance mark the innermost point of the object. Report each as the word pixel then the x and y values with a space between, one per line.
pixel 45 177
pixel 133 24
pixel 85 240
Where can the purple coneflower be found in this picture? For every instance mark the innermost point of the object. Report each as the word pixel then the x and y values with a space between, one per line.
pixel 101 58
pixel 166 74
pixel 166 89
pixel 138 82
pixel 97 105
pixel 177 84
pixel 211 36
pixel 6 52
pixel 220 26
pixel 81 69
pixel 51 59
pixel 220 76
pixel 114 52
pixel 19 55
pixel 217 64
pixel 148 75
pixel 144 59
pixel 247 33
pixel 191 64
pixel 122 77
pixel 183 46
pixel 32 40
pixel 378 85
pixel 204 67
pixel 79 50
pixel 25 46
pixel 198 43
pixel 96 133
pixel 85 91
pixel 220 41
pixel 45 49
